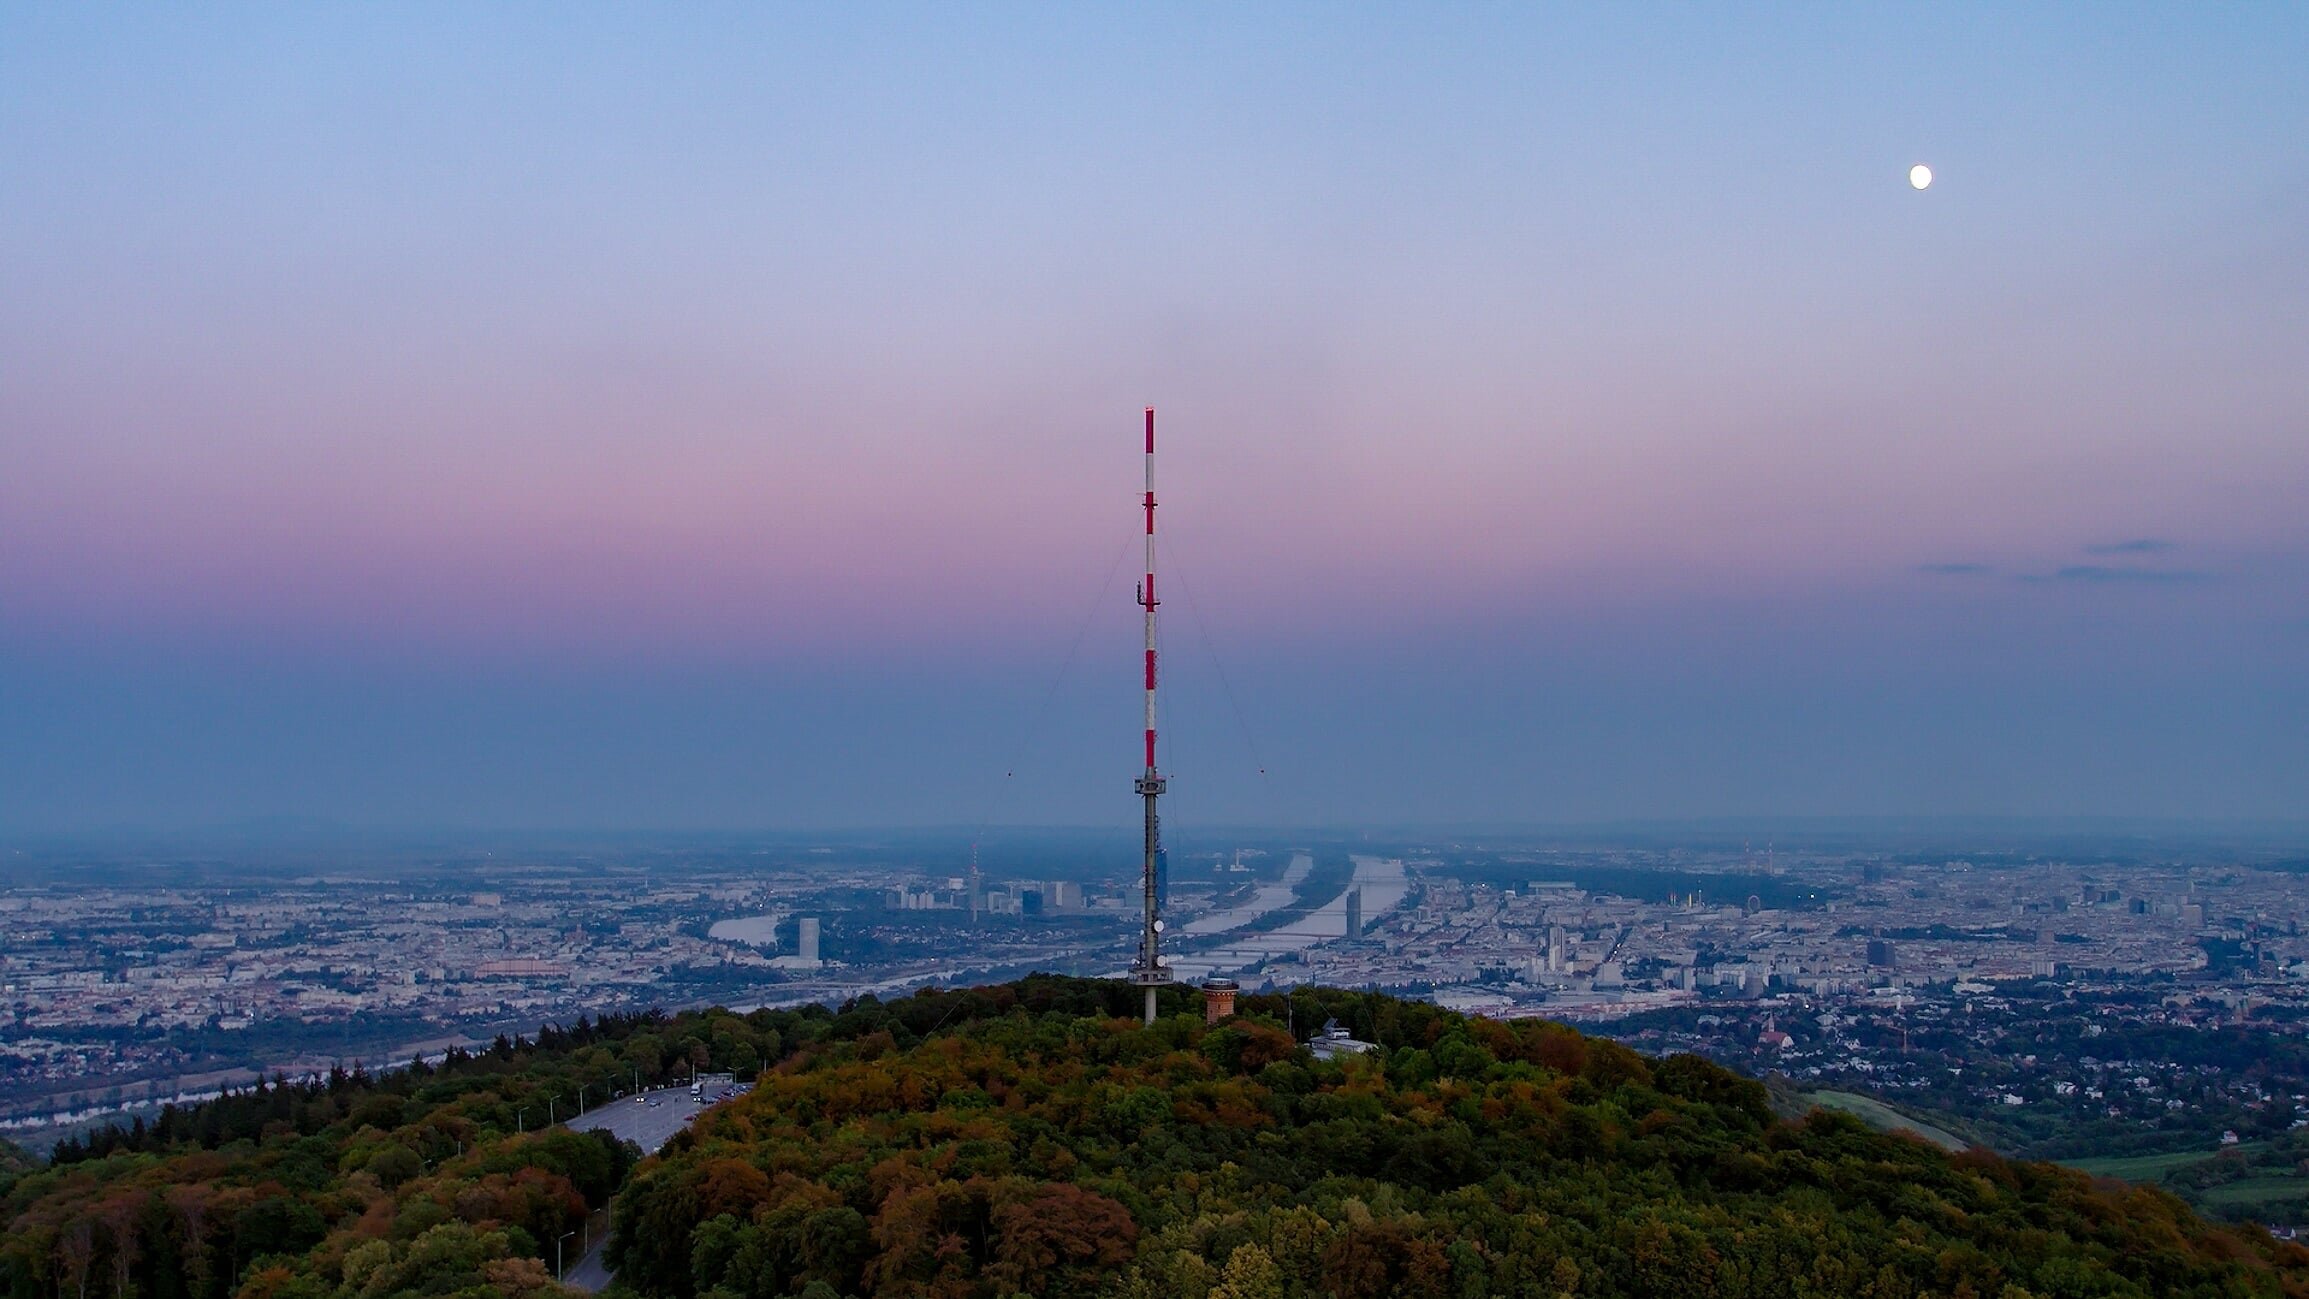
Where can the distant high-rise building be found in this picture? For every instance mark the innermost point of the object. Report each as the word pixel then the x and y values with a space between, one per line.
pixel 808 947
pixel 1354 913
pixel 1881 955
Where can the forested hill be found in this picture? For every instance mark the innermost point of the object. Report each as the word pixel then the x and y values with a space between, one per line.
pixel 1033 1138
pixel 428 1180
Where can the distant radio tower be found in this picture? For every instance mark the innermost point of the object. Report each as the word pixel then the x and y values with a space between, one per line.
pixel 1148 970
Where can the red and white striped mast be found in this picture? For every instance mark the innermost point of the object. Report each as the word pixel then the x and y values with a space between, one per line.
pixel 1148 970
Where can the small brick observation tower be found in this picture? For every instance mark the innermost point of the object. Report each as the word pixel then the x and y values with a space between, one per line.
pixel 1218 999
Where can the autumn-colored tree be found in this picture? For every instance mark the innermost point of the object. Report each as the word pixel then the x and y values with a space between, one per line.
pixel 732 1186
pixel 909 1236
pixel 1053 1239
pixel 1036 1138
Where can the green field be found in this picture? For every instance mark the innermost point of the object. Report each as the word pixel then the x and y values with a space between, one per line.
pixel 2254 1191
pixel 2247 1197
pixel 2148 1168
pixel 1884 1118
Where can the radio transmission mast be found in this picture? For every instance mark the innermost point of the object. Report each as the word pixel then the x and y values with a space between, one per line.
pixel 1148 970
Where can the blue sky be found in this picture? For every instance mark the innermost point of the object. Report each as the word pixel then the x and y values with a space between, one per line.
pixel 601 417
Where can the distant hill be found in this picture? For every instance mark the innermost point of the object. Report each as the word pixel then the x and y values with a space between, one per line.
pixel 1032 1138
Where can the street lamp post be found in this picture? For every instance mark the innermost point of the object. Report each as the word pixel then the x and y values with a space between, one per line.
pixel 557 1269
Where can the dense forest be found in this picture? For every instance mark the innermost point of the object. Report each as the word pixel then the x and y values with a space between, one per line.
pixel 434 1179
pixel 1032 1138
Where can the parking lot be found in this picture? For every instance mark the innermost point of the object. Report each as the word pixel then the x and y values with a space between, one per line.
pixel 648 1120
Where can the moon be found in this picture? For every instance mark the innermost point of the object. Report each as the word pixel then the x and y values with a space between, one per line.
pixel 1919 176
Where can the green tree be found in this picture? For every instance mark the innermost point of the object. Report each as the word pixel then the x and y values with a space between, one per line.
pixel 394 1165
pixel 1250 1274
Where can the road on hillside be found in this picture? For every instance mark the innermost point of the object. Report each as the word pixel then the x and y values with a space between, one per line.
pixel 648 1122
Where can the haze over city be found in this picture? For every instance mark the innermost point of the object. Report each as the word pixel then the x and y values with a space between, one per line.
pixel 528 417
pixel 1260 651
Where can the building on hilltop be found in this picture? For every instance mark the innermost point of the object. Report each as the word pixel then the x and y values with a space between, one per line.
pixel 1335 1041
pixel 1219 999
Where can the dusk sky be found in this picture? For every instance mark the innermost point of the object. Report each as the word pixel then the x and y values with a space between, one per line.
pixel 728 417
